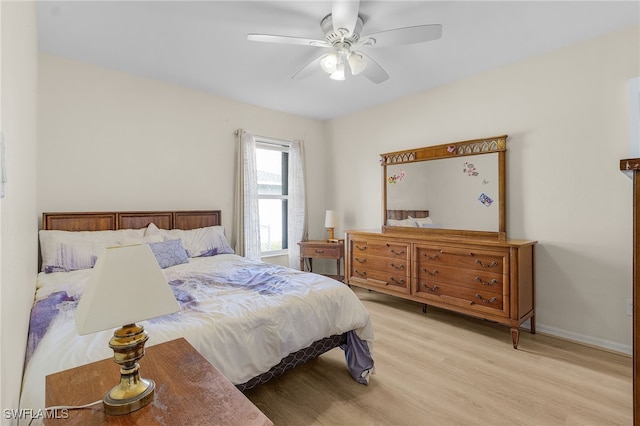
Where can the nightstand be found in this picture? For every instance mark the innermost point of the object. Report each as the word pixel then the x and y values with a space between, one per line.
pixel 189 391
pixel 322 250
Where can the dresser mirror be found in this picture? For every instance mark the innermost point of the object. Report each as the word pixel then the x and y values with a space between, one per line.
pixel 455 189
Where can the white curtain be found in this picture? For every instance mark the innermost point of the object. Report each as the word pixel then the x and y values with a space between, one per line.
pixel 297 206
pixel 247 220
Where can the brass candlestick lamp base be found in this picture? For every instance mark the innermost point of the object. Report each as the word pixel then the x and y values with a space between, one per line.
pixel 331 238
pixel 133 392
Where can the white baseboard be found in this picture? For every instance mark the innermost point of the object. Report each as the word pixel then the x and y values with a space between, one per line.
pixel 582 339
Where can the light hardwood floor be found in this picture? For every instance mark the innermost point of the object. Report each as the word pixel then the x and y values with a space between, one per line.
pixel 441 368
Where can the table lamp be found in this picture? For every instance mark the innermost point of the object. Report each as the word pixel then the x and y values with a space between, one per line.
pixel 331 222
pixel 126 285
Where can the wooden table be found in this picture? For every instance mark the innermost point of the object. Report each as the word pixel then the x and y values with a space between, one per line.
pixel 189 391
pixel 323 250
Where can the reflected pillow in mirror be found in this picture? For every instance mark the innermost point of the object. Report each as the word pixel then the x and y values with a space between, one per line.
pixel 421 221
pixel 429 225
pixel 402 222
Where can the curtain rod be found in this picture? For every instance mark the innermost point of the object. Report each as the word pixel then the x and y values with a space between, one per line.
pixel 283 142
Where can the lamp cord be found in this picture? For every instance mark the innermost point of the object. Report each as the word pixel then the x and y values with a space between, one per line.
pixel 68 407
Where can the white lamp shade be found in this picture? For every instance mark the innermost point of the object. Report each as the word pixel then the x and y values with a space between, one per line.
pixel 126 285
pixel 357 63
pixel 339 72
pixel 329 62
pixel 331 219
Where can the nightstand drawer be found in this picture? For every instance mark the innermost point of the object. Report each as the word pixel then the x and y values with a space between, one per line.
pixel 332 251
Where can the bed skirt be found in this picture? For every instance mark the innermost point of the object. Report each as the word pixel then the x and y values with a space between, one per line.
pixel 295 359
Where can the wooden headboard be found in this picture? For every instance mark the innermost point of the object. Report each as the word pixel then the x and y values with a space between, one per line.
pixel 404 214
pixel 105 221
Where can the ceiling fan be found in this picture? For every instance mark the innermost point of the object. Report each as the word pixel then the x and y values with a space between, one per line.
pixel 342 29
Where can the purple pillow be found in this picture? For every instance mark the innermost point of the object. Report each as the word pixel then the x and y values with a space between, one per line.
pixel 169 253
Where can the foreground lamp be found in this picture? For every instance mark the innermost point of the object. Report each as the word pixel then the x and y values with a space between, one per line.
pixel 331 222
pixel 126 286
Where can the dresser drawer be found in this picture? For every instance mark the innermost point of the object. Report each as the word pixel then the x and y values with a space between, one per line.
pixel 479 280
pixel 484 301
pixel 375 248
pixel 384 264
pixel 400 282
pixel 481 260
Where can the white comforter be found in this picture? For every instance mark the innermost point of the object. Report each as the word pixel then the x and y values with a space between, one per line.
pixel 243 316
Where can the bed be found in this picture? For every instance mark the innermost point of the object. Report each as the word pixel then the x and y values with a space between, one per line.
pixel 252 320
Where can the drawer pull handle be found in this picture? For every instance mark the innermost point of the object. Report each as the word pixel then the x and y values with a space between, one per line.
pixel 431 257
pixel 401 267
pixel 318 251
pixel 397 253
pixel 361 273
pixel 401 282
pixel 492 300
pixel 435 271
pixel 492 282
pixel 360 247
pixel 486 265
pixel 360 260
pixel 434 288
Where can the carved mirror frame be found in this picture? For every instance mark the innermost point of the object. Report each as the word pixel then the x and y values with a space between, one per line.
pixel 496 144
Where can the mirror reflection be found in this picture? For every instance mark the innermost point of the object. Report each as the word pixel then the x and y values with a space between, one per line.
pixel 460 192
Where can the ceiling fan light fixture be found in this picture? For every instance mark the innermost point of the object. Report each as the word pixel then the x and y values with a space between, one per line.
pixel 339 72
pixel 356 63
pixel 329 62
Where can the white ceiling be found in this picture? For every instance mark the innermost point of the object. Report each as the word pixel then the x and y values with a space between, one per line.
pixel 203 44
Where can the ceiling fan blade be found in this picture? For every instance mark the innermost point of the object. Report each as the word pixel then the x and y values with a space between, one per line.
pixel 344 14
pixel 267 38
pixel 308 69
pixel 373 71
pixel 398 36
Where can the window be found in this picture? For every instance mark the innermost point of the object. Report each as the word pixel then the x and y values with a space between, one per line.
pixel 272 161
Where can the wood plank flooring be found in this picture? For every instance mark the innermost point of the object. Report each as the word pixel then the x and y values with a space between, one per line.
pixel 441 368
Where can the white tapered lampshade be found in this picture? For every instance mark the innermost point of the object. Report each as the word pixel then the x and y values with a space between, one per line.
pixel 331 219
pixel 126 285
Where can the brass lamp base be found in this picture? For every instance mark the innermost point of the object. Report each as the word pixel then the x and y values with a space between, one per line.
pixel 133 392
pixel 118 407
pixel 331 236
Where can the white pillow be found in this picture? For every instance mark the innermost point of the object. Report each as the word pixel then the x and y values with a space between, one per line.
pixel 402 222
pixel 429 225
pixel 145 239
pixel 421 220
pixel 64 251
pixel 199 242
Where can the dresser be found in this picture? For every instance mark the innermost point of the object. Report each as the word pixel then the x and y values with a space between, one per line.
pixel 487 279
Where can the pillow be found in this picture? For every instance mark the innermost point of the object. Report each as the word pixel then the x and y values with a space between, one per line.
pixel 64 251
pixel 421 220
pixel 199 242
pixel 145 239
pixel 402 222
pixel 428 225
pixel 169 253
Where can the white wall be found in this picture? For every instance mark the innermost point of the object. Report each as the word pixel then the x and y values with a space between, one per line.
pixel 18 216
pixel 567 115
pixel 115 141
